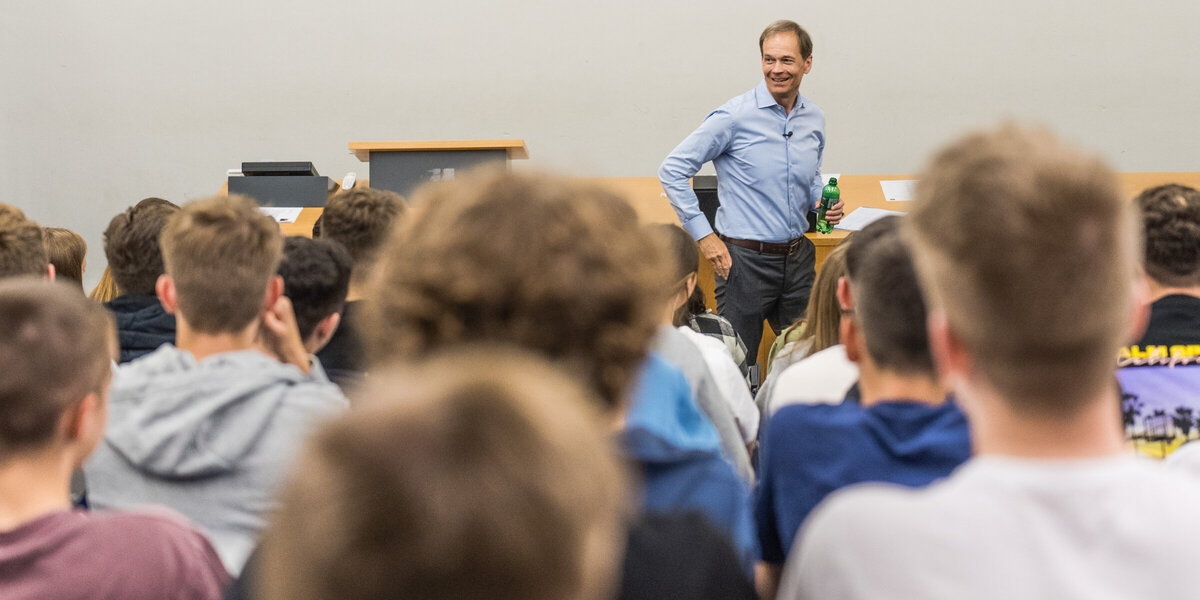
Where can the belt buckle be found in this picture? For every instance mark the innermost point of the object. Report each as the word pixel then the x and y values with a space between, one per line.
pixel 793 246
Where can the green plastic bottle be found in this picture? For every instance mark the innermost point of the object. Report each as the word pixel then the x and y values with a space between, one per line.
pixel 829 197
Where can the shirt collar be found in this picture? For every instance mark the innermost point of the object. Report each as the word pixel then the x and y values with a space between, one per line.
pixel 766 100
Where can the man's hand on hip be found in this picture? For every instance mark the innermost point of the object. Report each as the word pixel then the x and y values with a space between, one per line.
pixel 715 251
pixel 834 214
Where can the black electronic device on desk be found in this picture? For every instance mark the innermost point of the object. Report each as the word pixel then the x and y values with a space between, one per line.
pixel 292 183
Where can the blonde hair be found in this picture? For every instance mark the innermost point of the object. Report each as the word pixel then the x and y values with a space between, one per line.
pixel 479 474
pixel 106 289
pixel 221 252
pixel 1028 247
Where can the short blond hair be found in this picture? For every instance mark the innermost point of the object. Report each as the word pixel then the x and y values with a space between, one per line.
pixel 221 252
pixel 1029 249
pixel 481 474
pixel 544 263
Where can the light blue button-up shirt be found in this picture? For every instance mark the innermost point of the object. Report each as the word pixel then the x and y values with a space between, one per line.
pixel 767 181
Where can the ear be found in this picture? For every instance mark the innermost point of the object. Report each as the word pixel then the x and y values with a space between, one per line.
pixel 165 289
pixel 274 291
pixel 847 327
pixel 691 285
pixel 1139 309
pixel 808 64
pixel 83 424
pixel 844 297
pixel 949 353
pixel 323 332
pixel 51 273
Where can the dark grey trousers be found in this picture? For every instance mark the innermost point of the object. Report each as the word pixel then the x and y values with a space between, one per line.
pixel 765 286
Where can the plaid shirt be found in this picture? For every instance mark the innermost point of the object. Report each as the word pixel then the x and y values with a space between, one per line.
pixel 715 325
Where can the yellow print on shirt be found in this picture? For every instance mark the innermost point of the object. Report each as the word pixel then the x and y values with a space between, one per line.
pixel 1168 356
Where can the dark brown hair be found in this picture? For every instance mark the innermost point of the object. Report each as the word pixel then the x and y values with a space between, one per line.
pixel 67 251
pixel 1171 227
pixel 360 219
pixel 316 276
pixel 22 244
pixel 483 474
pixel 131 245
pixel 54 351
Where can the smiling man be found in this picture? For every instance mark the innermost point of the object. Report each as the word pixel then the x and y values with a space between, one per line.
pixel 766 146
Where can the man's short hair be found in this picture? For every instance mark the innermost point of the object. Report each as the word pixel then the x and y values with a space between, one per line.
pixel 1028 247
pixel 1171 225
pixel 548 264
pixel 786 26
pixel 361 219
pixel 131 245
pixel 67 251
pixel 22 244
pixel 54 351
pixel 888 305
pixel 221 252
pixel 478 475
pixel 316 277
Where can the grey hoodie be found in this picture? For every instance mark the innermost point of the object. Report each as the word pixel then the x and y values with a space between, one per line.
pixel 210 439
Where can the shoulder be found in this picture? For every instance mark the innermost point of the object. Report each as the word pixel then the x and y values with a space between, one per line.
pixel 163 542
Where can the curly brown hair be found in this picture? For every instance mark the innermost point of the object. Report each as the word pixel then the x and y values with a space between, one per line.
pixel 131 245
pixel 360 220
pixel 1171 224
pixel 548 264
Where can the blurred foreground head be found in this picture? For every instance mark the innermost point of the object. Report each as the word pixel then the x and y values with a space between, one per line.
pixel 483 473
pixel 556 267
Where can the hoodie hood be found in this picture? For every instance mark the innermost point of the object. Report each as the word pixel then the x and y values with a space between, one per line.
pixel 142 324
pixel 664 423
pixel 175 417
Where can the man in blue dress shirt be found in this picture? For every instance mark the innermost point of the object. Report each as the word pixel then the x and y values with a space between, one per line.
pixel 766 145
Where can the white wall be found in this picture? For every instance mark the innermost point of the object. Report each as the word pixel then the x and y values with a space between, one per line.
pixel 106 103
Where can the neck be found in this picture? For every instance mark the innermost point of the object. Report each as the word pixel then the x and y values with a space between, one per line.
pixel 1159 291
pixel 999 428
pixel 788 103
pixel 203 345
pixel 33 486
pixel 879 386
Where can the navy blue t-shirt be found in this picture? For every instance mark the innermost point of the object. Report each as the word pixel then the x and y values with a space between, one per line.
pixel 810 451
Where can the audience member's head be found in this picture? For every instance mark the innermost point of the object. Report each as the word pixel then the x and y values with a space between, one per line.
pixel 106 289
pixel 1171 224
pixel 683 258
pixel 221 256
pixel 22 245
pixel 131 245
pixel 483 474
pixel 823 316
pixel 67 252
pixel 1027 251
pixel 55 354
pixel 360 219
pixel 554 266
pixel 888 311
pixel 316 276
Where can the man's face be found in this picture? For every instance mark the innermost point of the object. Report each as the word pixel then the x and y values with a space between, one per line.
pixel 782 66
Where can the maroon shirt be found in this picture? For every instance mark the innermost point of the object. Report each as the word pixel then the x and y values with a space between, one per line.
pixel 108 555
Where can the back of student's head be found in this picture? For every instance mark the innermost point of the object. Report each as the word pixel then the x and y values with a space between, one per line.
pixel 221 253
pixel 555 266
pixel 131 245
pixel 823 316
pixel 1028 247
pixel 316 276
pixel 67 251
pixel 361 219
pixel 484 474
pixel 683 258
pixel 54 351
pixel 1171 225
pixel 22 244
pixel 888 305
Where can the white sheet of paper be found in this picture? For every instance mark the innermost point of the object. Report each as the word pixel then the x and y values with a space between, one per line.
pixel 282 214
pixel 899 190
pixel 863 216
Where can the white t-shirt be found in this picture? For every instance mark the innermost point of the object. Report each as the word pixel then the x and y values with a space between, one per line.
pixel 729 381
pixel 823 378
pixel 1006 528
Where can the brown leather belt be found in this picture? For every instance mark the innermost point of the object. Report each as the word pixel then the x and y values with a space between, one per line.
pixel 785 248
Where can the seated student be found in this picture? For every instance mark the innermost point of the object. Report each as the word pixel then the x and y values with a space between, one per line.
pixel 208 427
pixel 359 219
pixel 1160 372
pixel 483 474
pixel 813 368
pixel 22 245
pixel 901 429
pixel 55 357
pixel 702 320
pixel 730 383
pixel 131 245
pixel 67 252
pixel 316 275
pixel 1026 248
pixel 562 269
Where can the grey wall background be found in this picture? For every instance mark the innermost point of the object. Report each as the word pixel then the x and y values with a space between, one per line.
pixel 106 103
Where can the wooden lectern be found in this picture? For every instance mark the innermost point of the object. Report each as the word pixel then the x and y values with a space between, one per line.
pixel 403 166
